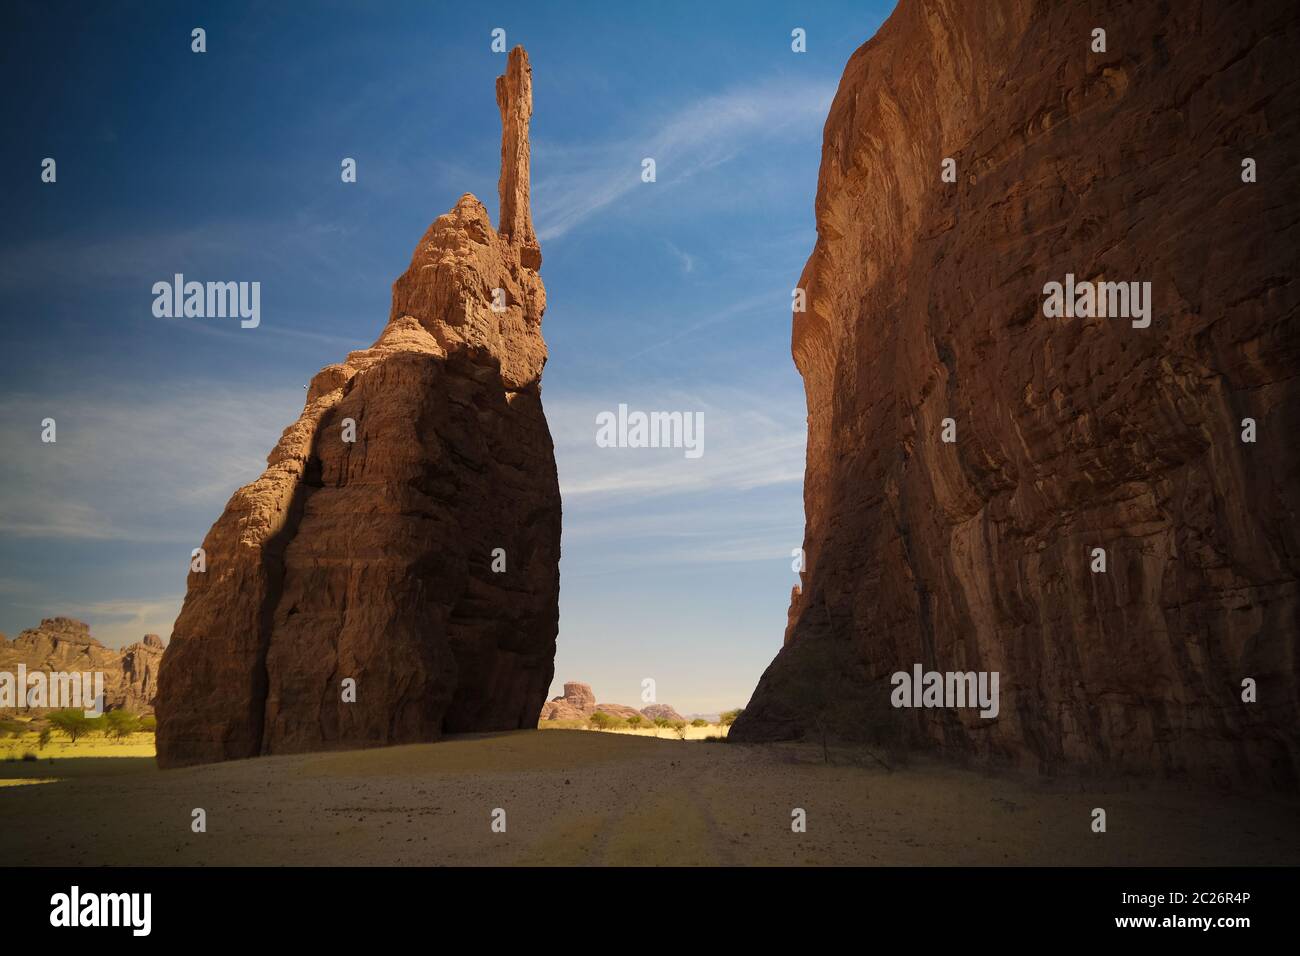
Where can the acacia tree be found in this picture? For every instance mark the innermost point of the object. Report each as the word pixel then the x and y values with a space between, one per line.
pixel 71 723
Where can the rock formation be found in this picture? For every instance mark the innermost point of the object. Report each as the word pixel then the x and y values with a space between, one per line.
pixel 63 645
pixel 405 535
pixel 925 303
pixel 578 702
pixel 622 711
pixel 660 711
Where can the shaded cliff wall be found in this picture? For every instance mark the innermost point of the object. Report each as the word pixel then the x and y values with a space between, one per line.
pixel 925 303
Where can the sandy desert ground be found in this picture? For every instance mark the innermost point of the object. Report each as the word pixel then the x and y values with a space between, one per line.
pixel 580 797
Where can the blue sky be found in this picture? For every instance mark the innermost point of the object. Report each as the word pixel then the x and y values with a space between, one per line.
pixel 670 295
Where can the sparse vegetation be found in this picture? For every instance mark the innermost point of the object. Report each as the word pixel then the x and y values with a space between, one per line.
pixel 640 724
pixel 729 717
pixel 70 733
pixel 568 724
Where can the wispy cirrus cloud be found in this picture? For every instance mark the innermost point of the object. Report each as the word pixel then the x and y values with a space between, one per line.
pixel 119 622
pixel 685 258
pixel 132 463
pixel 706 133
pixel 640 507
pixel 750 441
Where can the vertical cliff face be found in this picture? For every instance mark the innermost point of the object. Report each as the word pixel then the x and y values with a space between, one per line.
pixel 405 535
pixel 926 303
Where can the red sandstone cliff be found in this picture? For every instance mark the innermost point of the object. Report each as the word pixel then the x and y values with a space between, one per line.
pixel 925 303
pixel 374 559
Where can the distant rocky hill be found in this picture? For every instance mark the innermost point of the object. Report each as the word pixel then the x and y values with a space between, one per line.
pixel 61 644
pixel 579 702
pixel 655 711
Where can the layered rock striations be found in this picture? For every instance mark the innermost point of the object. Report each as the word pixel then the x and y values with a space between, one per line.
pixel 61 645
pixel 419 561
pixel 925 303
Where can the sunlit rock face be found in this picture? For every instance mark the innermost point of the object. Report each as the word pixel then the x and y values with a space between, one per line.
pixel 925 314
pixel 393 575
pixel 62 646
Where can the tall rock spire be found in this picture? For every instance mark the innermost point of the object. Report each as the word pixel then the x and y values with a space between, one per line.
pixel 515 100
pixel 405 536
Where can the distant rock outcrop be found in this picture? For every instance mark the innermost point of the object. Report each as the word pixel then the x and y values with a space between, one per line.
pixel 394 573
pixel 579 702
pixel 969 450
pixel 64 645
pixel 660 712
pixel 618 710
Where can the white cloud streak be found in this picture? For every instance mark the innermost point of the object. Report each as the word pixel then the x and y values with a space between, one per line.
pixel 133 464
pixel 750 442
pixel 700 136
